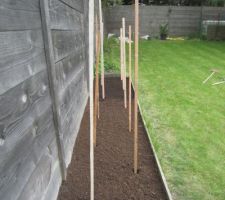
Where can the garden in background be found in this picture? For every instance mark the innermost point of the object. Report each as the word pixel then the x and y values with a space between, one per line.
pixel 185 118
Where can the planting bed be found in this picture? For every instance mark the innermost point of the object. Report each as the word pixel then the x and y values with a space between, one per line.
pixel 114 177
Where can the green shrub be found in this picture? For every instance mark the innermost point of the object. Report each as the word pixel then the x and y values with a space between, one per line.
pixel 163 30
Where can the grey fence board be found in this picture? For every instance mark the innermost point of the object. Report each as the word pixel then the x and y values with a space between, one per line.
pixel 43 93
pixel 19 105
pixel 11 19
pixel 55 183
pixel 39 179
pixel 32 5
pixel 75 4
pixel 56 180
pixel 73 124
pixel 22 159
pixel 68 68
pixel 52 81
pixel 71 92
pixel 66 42
pixel 64 17
pixel 182 21
pixel 21 56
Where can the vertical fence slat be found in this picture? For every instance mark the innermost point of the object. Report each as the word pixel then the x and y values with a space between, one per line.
pixel 52 81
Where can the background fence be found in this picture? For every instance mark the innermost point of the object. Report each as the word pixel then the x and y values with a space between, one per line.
pixel 182 21
pixel 43 93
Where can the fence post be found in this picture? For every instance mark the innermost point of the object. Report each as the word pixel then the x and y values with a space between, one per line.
pixel 48 45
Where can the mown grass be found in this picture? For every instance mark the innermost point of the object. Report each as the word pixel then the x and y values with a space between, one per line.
pixel 186 119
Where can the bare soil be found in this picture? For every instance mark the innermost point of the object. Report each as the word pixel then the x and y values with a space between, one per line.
pixel 114 177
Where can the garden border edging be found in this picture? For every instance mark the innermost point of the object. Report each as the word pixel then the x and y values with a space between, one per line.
pixel 155 155
pixel 163 178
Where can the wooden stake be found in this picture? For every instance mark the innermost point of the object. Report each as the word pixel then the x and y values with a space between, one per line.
pixel 136 87
pixel 97 71
pixel 130 79
pixel 91 79
pixel 102 49
pixel 124 63
pixel 98 109
pixel 102 60
pixel 95 100
pixel 123 24
pixel 121 54
pixel 96 80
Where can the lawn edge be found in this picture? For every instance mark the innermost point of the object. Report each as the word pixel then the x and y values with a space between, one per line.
pixel 162 175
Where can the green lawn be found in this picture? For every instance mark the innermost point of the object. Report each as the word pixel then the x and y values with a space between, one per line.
pixel 186 119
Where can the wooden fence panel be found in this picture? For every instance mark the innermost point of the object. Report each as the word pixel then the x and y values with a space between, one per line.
pixel 21 56
pixel 182 20
pixel 68 41
pixel 30 150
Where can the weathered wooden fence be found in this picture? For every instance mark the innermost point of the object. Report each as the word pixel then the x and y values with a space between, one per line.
pixel 182 21
pixel 43 93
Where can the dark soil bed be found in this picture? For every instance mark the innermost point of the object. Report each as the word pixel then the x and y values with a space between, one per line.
pixel 114 177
